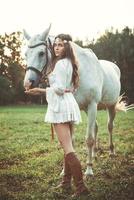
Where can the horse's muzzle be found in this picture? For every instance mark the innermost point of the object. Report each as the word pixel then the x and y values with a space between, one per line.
pixel 29 84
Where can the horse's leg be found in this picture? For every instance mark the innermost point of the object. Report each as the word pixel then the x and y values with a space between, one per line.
pixel 111 113
pixel 95 140
pixel 90 135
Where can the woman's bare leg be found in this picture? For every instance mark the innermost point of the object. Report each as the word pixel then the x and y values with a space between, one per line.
pixel 72 163
pixel 64 136
pixel 71 127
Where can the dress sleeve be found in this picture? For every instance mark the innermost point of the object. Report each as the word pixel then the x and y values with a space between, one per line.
pixel 60 72
pixel 55 92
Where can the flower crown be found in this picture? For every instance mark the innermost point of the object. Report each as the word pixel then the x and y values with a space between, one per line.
pixel 64 41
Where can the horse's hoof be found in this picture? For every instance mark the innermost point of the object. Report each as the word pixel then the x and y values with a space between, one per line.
pixel 87 177
pixel 89 173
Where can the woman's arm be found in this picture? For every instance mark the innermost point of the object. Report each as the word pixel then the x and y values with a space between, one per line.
pixel 60 72
pixel 36 91
pixel 59 86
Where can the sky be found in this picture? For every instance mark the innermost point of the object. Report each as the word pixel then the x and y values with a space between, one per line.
pixel 81 18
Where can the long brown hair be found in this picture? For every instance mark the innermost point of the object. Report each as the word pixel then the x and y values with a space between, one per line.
pixel 68 53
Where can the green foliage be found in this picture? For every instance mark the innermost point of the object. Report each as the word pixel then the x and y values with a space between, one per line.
pixel 16 76
pixel 119 48
pixel 30 163
pixel 11 66
pixel 7 93
pixel 79 42
pixel 10 51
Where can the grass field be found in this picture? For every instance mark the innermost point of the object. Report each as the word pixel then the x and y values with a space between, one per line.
pixel 30 163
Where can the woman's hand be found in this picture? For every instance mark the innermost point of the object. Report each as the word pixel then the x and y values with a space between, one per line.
pixel 69 90
pixel 35 91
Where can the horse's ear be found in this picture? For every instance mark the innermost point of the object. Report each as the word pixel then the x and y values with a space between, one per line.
pixel 44 35
pixel 26 35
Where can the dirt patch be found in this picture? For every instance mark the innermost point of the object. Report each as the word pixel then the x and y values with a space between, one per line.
pixel 4 164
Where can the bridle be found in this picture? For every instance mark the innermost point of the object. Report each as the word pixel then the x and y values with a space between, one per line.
pixel 48 48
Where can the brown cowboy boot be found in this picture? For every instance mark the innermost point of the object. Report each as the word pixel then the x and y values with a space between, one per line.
pixel 76 171
pixel 65 184
pixel 66 180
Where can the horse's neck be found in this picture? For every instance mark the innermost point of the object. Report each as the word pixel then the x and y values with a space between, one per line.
pixel 77 47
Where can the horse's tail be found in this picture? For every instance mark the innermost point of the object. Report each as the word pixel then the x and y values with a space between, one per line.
pixel 121 104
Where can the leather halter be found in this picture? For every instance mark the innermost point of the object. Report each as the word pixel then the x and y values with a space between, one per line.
pixel 45 66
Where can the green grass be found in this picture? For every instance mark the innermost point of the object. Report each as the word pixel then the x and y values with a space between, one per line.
pixel 30 163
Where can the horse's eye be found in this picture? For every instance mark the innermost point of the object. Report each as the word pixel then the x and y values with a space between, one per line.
pixel 41 53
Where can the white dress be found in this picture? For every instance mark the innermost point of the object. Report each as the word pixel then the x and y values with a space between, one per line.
pixel 62 106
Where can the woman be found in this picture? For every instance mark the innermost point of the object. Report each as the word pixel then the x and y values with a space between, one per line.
pixel 63 110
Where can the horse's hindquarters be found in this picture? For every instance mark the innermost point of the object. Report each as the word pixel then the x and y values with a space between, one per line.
pixel 111 83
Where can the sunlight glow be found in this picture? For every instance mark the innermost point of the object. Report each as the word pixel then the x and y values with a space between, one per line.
pixel 82 19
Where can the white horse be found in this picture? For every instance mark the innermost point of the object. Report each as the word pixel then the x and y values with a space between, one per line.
pixel 99 85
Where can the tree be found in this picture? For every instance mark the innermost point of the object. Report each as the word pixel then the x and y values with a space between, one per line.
pixel 119 48
pixel 7 93
pixel 11 63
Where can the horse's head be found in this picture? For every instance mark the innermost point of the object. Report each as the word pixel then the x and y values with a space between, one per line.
pixel 38 56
